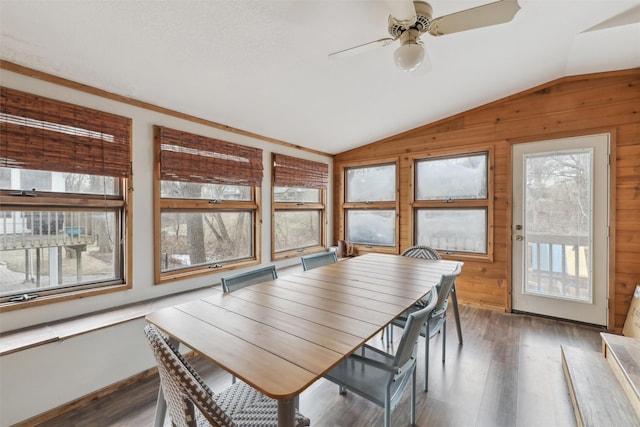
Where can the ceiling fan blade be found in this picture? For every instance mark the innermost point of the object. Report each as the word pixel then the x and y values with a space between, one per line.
pixel 631 16
pixel 402 11
pixel 362 48
pixel 495 13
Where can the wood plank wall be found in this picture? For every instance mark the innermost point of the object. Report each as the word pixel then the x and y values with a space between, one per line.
pixel 571 106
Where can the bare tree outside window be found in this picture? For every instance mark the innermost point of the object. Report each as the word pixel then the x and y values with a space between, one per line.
pixel 298 206
pixel 297 229
pixel 191 238
pixel 558 227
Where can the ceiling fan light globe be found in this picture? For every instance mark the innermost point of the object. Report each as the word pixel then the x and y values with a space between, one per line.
pixel 409 56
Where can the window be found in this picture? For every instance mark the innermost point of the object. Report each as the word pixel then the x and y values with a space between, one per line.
pixel 64 174
pixel 370 206
pixel 299 198
pixel 452 203
pixel 207 192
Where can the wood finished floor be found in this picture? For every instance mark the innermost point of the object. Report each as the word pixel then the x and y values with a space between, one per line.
pixel 507 373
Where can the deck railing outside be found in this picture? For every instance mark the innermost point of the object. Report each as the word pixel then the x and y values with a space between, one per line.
pixel 559 266
pixel 43 229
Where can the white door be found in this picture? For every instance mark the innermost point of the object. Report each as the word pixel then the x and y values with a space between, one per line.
pixel 560 228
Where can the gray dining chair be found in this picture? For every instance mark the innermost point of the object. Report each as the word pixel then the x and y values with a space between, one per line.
pixel 318 260
pixel 425 252
pixel 437 321
pixel 380 377
pixel 191 402
pixel 241 280
pixel 248 278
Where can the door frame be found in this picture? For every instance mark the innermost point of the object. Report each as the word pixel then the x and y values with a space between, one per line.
pixel 612 212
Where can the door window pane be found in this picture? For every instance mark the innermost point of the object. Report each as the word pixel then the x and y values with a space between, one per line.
pixel 198 238
pixel 371 184
pixel 296 229
pixel 371 227
pixel 460 230
pixel 558 224
pixel 452 178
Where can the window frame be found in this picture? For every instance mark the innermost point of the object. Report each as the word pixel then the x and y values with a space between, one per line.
pixel 70 202
pixel 80 127
pixel 345 206
pixel 202 205
pixel 320 206
pixel 455 204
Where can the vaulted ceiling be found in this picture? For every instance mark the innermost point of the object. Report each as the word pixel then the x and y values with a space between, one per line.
pixel 262 66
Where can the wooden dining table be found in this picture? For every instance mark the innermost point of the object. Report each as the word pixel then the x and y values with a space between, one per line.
pixel 283 335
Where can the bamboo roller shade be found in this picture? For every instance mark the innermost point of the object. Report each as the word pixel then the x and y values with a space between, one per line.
pixel 293 172
pixel 45 134
pixel 193 158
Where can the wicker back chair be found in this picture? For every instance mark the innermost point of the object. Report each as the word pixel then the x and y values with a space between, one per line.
pixel 422 252
pixel 425 252
pixel 191 403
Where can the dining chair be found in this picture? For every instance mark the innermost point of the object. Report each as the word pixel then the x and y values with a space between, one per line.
pixel 425 252
pixel 318 260
pixel 191 402
pixel 437 321
pixel 240 280
pixel 380 377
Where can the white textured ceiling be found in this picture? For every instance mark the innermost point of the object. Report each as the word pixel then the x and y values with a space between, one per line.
pixel 262 66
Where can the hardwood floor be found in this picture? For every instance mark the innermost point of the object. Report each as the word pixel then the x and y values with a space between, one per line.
pixel 507 373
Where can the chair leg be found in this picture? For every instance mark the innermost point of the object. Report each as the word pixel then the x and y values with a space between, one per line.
pixel 456 312
pixel 387 409
pixel 426 357
pixel 444 338
pixel 161 404
pixel 413 397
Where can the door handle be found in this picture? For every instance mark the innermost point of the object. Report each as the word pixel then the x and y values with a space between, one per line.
pixel 519 237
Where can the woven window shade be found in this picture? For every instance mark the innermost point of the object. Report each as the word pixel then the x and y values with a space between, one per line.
pixel 45 134
pixel 293 172
pixel 193 158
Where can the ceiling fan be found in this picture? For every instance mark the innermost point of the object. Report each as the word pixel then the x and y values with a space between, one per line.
pixel 408 20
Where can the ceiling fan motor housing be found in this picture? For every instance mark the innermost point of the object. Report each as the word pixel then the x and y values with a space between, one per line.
pixel 424 15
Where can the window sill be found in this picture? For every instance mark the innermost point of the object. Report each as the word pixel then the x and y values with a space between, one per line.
pixel 62 296
pixel 296 253
pixel 34 336
pixel 459 256
pixel 203 271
